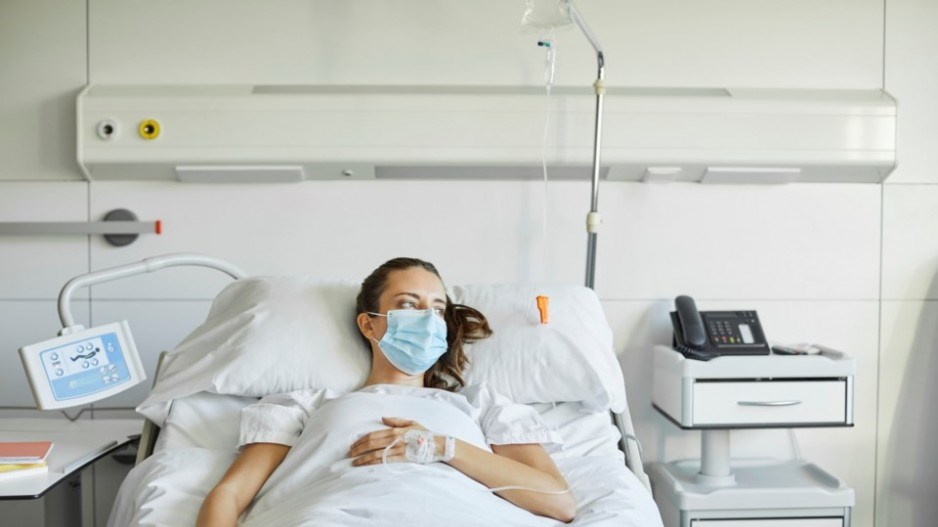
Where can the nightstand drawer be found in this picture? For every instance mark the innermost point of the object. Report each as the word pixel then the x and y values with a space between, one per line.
pixel 769 402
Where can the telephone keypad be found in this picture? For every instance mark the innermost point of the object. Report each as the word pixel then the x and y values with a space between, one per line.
pixel 722 332
pixel 731 328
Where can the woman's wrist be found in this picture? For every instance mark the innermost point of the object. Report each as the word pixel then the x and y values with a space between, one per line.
pixel 445 447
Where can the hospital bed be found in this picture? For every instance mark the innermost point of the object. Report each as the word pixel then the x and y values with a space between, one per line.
pixel 258 331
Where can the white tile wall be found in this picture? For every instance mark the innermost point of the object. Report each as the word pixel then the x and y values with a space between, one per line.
pixel 907 474
pixel 910 242
pixel 672 43
pixel 657 241
pixel 474 232
pixel 27 322
pixel 912 77
pixel 43 64
pixel 38 267
pixel 791 241
pixel 907 466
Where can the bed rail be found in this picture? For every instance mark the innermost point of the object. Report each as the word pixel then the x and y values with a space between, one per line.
pixel 630 446
pixel 150 430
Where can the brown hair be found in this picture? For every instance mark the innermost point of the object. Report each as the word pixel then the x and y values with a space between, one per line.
pixel 463 323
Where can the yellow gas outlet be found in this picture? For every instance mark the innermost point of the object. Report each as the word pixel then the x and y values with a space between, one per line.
pixel 149 129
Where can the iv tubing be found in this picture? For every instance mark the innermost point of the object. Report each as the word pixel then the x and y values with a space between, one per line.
pixel 550 44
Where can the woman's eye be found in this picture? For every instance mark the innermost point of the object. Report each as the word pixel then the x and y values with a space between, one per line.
pixel 439 311
pixel 408 305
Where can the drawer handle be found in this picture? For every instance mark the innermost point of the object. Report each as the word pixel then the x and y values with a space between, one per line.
pixel 768 403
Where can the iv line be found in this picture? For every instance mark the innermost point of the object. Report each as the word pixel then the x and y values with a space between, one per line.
pixel 384 461
pixel 550 66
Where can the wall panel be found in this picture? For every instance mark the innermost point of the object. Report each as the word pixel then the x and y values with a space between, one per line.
pixel 37 267
pixel 911 75
pixel 837 44
pixel 749 242
pixel 473 231
pixel 910 247
pixel 27 322
pixel 807 241
pixel 907 468
pixel 43 65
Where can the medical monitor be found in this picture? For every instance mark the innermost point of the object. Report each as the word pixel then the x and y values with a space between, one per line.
pixel 83 366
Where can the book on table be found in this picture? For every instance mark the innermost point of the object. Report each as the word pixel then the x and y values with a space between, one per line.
pixel 14 470
pixel 24 452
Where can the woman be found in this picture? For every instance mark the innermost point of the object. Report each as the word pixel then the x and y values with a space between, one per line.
pixel 416 336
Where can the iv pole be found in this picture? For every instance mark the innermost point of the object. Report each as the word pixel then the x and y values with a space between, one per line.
pixel 593 219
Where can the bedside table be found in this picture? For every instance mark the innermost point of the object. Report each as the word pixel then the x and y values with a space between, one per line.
pixel 76 445
pixel 764 391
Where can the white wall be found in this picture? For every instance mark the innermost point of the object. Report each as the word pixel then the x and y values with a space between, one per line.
pixel 851 266
pixel 907 471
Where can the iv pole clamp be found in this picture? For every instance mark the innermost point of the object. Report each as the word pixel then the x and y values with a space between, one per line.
pixel 593 219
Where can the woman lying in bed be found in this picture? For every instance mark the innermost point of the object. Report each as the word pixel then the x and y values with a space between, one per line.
pixel 445 447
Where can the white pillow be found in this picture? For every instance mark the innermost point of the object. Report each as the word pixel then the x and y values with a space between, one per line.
pixel 205 420
pixel 571 358
pixel 267 335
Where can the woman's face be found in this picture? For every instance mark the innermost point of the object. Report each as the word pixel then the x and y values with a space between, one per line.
pixel 413 288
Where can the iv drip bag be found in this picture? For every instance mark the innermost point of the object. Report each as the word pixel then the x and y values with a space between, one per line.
pixel 541 15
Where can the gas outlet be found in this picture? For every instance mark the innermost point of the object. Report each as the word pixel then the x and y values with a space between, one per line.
pixel 149 129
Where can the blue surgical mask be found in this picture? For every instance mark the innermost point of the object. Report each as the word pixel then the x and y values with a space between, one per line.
pixel 415 339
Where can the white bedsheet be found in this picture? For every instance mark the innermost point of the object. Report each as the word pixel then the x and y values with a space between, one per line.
pixel 168 488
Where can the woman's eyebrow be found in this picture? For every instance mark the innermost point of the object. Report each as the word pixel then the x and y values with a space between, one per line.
pixel 415 296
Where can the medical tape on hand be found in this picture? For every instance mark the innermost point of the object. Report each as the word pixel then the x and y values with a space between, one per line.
pixel 421 448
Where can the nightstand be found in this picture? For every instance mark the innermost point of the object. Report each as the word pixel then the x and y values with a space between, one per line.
pixel 76 446
pixel 764 391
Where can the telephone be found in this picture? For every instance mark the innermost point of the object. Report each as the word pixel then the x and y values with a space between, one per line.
pixel 703 335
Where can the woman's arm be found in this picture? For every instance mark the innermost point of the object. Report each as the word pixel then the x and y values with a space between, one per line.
pixel 225 503
pixel 523 465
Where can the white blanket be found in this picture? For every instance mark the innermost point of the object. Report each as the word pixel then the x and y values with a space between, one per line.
pixel 167 490
pixel 317 485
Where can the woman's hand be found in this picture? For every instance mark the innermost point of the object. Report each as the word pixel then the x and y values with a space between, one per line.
pixel 369 448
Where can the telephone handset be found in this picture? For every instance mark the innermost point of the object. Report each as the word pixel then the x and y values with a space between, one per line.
pixel 703 335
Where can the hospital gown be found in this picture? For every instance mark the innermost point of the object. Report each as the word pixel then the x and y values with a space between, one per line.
pixel 317 483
